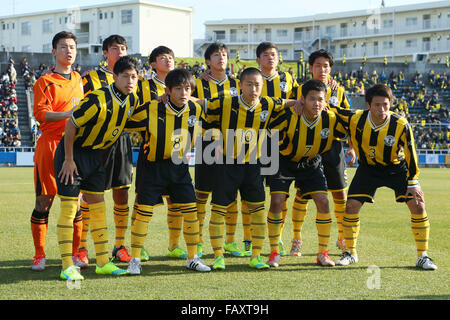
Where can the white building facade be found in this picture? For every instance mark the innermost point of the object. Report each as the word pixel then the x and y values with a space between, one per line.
pixel 144 24
pixel 417 32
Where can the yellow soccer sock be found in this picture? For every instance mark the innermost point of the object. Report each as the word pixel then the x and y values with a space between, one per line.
pixel 258 230
pixel 174 222
pixel 230 222
pixel 216 229
pixel 420 227
pixel 64 231
pixel 77 231
pixel 323 225
pixel 274 222
pixel 246 221
pixel 284 211
pixel 85 216
pixel 99 232
pixel 350 226
pixel 121 212
pixel 201 213
pixel 139 229
pixel 190 227
pixel 299 210
pixel 339 209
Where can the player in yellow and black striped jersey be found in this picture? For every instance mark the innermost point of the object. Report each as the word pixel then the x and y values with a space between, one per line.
pixel 302 140
pixel 384 144
pixel 117 159
pixel 95 125
pixel 171 129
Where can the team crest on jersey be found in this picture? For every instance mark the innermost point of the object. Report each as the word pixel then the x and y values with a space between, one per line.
pixel 283 86
pixel 191 121
pixel 389 141
pixel 264 115
pixel 324 133
pixel 333 101
pixel 233 92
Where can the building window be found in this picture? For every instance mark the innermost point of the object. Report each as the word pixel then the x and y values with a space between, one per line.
pixel 127 16
pixel 100 15
pixel 282 33
pixel 219 35
pixel 411 43
pixel 26 28
pixel 129 41
pixel 411 21
pixel 112 14
pixel 26 48
pixel 388 23
pixel 47 26
pixel 387 44
pixel 106 15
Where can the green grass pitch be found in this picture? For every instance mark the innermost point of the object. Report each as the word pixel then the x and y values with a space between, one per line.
pixel 386 248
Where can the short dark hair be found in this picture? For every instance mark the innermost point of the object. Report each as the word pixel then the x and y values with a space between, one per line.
pixel 63 35
pixel 313 85
pixel 214 47
pixel 159 51
pixel 125 63
pixel 321 53
pixel 263 46
pixel 115 38
pixel 249 72
pixel 380 90
pixel 178 77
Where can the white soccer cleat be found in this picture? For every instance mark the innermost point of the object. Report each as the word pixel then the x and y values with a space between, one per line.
pixel 38 263
pixel 134 268
pixel 197 264
pixel 347 258
pixel 425 262
pixel 324 259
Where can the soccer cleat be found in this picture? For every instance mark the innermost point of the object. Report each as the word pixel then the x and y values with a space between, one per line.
pixel 144 255
pixel 134 267
pixel 38 263
pixel 324 260
pixel 247 248
pixel 71 273
pixel 219 264
pixel 296 249
pixel 347 258
pixel 121 254
pixel 257 263
pixel 274 259
pixel 78 262
pixel 341 244
pixel 83 255
pixel 177 253
pixel 233 249
pixel 110 269
pixel 197 264
pixel 425 262
pixel 281 247
pixel 200 247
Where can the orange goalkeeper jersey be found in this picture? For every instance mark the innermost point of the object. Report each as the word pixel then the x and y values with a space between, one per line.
pixel 53 92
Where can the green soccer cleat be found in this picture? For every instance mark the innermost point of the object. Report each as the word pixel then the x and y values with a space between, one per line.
pixel 257 263
pixel 233 249
pixel 177 253
pixel 200 247
pixel 247 251
pixel 219 264
pixel 110 269
pixel 71 273
pixel 144 255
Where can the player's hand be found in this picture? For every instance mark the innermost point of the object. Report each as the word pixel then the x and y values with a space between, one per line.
pixel 68 169
pixel 351 152
pixel 334 85
pixel 417 193
pixel 164 98
pixel 205 75
pixel 298 106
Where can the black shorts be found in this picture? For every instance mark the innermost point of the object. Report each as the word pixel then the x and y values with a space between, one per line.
pixel 231 178
pixel 334 167
pixel 118 163
pixel 204 173
pixel 91 173
pixel 164 178
pixel 368 179
pixel 309 178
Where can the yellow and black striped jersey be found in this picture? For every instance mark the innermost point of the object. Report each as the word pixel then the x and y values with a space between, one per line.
pixel 301 139
pixel 242 126
pixel 151 89
pixel 383 145
pixel 101 117
pixel 335 98
pixel 169 131
pixel 213 88
pixel 280 85
pixel 96 79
